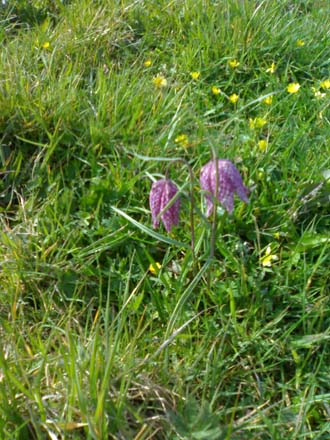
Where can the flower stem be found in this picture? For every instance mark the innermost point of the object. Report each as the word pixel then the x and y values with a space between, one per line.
pixel 215 205
pixel 191 211
pixel 192 205
pixel 214 220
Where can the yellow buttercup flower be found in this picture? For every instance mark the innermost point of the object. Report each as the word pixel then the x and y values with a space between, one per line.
pixel 262 144
pixel 159 81
pixel 182 139
pixel 195 75
pixel 257 122
pixel 268 100
pixel 154 268
pixel 267 259
pixel 271 68
pixel 233 98
pixel 216 90
pixel 293 88
pixel 46 45
pixel 147 63
pixel 233 63
pixel 325 84
pixel 300 43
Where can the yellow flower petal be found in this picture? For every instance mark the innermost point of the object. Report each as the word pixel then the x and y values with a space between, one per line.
pixel 233 98
pixel 159 81
pixel 268 100
pixel 272 68
pixel 195 75
pixel 257 122
pixel 154 268
pixel 300 43
pixel 266 260
pixel 325 84
pixel 293 88
pixel 147 63
pixel 233 63
pixel 262 144
pixel 216 90
pixel 182 139
pixel 46 45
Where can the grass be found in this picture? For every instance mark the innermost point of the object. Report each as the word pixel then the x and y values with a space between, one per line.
pixel 96 345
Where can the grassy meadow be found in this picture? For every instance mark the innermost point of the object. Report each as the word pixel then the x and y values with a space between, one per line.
pixel 109 328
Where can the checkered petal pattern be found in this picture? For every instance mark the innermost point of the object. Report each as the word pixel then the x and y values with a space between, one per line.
pixel 229 182
pixel 161 193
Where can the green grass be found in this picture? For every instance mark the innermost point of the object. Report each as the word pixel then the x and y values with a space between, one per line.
pixel 93 344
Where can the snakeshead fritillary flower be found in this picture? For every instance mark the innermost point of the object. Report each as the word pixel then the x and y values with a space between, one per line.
pixel 162 192
pixel 229 182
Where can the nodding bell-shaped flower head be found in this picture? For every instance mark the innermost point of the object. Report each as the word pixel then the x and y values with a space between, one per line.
pixel 162 192
pixel 229 182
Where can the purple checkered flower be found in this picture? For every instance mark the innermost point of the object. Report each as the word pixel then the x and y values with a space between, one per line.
pixel 162 192
pixel 229 182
